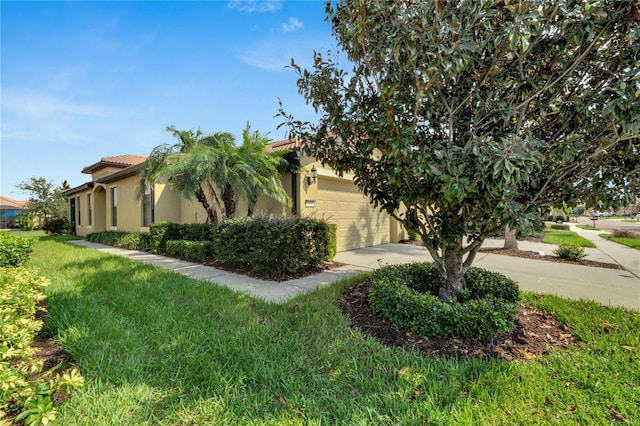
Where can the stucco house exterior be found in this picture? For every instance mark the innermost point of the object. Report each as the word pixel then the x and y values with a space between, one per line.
pixel 109 201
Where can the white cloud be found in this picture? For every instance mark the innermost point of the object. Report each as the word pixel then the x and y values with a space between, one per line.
pixel 39 106
pixel 251 6
pixel 37 118
pixel 292 24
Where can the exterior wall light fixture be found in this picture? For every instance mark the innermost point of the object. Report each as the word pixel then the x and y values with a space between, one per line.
pixel 314 175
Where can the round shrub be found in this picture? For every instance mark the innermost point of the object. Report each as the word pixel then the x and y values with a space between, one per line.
pixel 570 252
pixel 406 296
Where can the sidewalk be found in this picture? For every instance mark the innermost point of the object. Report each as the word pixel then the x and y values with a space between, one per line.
pixel 606 286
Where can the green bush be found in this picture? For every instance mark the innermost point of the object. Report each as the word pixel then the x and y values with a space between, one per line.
pixel 406 296
pixel 274 244
pixel 570 252
pixel 14 250
pixel 195 231
pixel 626 233
pixel 559 226
pixel 24 390
pixel 197 251
pixel 126 240
pixel 160 233
pixel 56 225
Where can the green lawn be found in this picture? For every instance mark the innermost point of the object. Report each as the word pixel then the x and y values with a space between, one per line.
pixel 587 227
pixel 157 348
pixel 28 233
pixel 555 236
pixel 629 242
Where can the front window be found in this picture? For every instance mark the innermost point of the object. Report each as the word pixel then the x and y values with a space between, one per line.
pixel 114 206
pixel 89 214
pixel 147 207
pixel 78 207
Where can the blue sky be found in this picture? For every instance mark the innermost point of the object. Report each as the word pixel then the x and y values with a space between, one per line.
pixel 85 80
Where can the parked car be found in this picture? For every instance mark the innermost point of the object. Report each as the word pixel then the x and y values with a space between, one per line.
pixel 557 218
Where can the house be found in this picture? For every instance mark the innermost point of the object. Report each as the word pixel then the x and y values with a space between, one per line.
pixel 110 201
pixel 9 210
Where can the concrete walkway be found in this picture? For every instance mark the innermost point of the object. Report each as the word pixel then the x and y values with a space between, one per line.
pixel 607 286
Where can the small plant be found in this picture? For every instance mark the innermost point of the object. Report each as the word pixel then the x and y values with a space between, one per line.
pixel 570 252
pixel 55 226
pixel 14 251
pixel 626 233
pixel 25 222
pixel 25 390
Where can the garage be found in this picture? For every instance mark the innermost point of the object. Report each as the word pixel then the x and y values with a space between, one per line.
pixel 359 223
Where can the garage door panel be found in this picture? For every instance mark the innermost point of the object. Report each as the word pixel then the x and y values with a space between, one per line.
pixel 359 224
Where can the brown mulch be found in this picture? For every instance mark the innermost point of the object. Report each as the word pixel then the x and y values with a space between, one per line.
pixel 535 334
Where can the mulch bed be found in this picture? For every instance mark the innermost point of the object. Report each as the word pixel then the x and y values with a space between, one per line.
pixel 535 334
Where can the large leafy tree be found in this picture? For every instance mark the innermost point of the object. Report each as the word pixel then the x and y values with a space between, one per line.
pixel 216 172
pixel 45 199
pixel 461 118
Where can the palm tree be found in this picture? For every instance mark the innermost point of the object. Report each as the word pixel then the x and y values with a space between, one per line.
pixel 216 172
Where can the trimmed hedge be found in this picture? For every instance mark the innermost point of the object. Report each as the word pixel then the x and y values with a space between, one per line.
pixel 198 251
pixel 161 232
pixel 14 250
pixel 406 296
pixel 559 226
pixel 274 244
pixel 126 240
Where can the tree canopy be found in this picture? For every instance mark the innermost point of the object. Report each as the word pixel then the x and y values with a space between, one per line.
pixel 462 117
pixel 45 199
pixel 216 172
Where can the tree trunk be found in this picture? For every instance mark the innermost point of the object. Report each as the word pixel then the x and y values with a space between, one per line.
pixel 229 200
pixel 453 271
pixel 211 212
pixel 510 241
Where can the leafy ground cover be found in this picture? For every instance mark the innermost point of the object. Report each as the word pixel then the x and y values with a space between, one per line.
pixel 158 348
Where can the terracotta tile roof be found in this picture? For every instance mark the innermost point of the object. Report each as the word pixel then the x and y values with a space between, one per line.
pixel 125 160
pixel 120 161
pixel 7 202
pixel 285 144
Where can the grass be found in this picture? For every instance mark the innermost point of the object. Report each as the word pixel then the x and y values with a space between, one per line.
pixel 587 227
pixel 33 234
pixel 555 236
pixel 629 242
pixel 157 348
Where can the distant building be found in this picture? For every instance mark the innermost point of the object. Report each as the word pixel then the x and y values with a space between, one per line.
pixel 9 210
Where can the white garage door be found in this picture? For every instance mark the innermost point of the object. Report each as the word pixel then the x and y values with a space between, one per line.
pixel 359 223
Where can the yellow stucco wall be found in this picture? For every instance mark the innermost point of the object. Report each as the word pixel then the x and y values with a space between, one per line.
pixel 335 199
pixel 129 206
pixel 167 203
